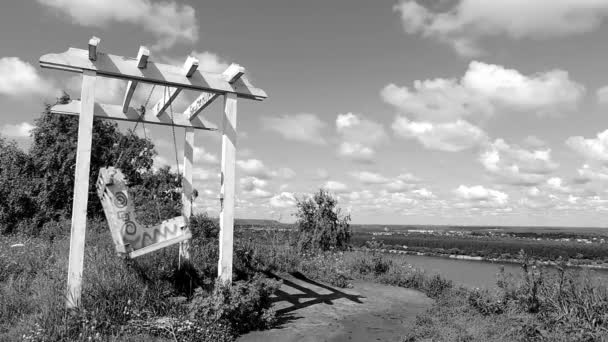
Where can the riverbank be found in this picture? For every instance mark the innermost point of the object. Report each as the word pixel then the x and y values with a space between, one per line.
pixel 571 264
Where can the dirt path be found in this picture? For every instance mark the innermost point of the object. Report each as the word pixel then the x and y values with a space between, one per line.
pixel 317 312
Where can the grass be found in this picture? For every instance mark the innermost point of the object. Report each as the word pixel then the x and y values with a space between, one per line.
pixel 149 299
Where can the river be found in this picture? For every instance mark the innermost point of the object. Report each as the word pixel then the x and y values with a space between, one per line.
pixel 472 273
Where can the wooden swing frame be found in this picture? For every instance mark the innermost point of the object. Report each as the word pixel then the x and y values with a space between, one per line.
pixel 231 84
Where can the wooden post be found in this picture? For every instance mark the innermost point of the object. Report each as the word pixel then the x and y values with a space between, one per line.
pixel 81 189
pixel 184 247
pixel 227 188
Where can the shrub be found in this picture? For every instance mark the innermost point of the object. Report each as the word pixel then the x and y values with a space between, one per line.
pixel 320 223
pixel 244 306
pixel 435 286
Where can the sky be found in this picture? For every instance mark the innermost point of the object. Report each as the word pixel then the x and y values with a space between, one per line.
pixel 464 112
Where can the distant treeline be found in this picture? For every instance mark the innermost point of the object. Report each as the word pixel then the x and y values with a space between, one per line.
pixel 490 247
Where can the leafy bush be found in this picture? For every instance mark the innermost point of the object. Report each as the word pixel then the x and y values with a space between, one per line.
pixel 244 306
pixel 436 286
pixel 320 223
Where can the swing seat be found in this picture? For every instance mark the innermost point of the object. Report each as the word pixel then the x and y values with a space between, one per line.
pixel 131 238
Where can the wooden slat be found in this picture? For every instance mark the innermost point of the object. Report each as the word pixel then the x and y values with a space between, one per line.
pixel 190 66
pixel 232 74
pixel 160 245
pixel 162 74
pixel 142 62
pixel 114 112
pixel 81 190
pixel 165 101
pixel 187 179
pixel 93 43
pixel 201 102
pixel 227 189
pixel 142 57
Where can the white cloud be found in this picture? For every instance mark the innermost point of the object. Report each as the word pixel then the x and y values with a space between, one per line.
pixel 21 130
pixel 468 21
pixel 200 155
pixel 541 93
pixel 335 186
pixel 209 61
pixel 358 136
pixel 366 177
pixel 557 184
pixel 107 90
pixel 254 167
pixel 438 100
pixel 481 197
pixel 451 136
pixel 356 152
pixel 303 127
pixel 515 165
pixel 602 95
pixel 587 174
pixel 169 21
pixel 484 90
pixel 423 193
pixel 251 183
pixel 283 200
pixel 19 78
pixel 401 183
pixel 592 149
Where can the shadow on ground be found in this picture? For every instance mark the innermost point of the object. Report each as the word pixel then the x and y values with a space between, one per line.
pixel 313 311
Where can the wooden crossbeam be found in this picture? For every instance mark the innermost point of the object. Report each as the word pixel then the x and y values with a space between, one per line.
pixel 107 65
pixel 114 112
pixel 93 42
pixel 142 62
pixel 165 101
pixel 233 73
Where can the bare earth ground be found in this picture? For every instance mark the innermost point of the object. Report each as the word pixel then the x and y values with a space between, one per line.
pixel 313 311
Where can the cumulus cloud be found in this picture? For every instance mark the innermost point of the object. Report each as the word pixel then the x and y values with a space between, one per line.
pixel 423 193
pixel 444 114
pixel 19 78
pixel 367 177
pixel 20 130
pixel 335 186
pixel 464 24
pixel 587 173
pixel 450 136
pixel 482 91
pixel 403 182
pixel 254 167
pixel 515 165
pixel 201 155
pixel 254 187
pixel 557 184
pixel 283 200
pixel 481 197
pixel 358 137
pixel 593 148
pixel 168 21
pixel 303 127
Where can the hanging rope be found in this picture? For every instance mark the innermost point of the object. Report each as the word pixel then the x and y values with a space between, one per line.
pixel 173 130
pixel 142 113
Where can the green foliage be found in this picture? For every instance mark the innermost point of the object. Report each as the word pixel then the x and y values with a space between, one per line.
pixel 321 224
pixel 36 188
pixel 244 306
pixel 17 188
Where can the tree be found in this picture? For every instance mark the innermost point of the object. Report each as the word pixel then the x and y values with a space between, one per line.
pixel 17 186
pixel 53 153
pixel 37 187
pixel 321 225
